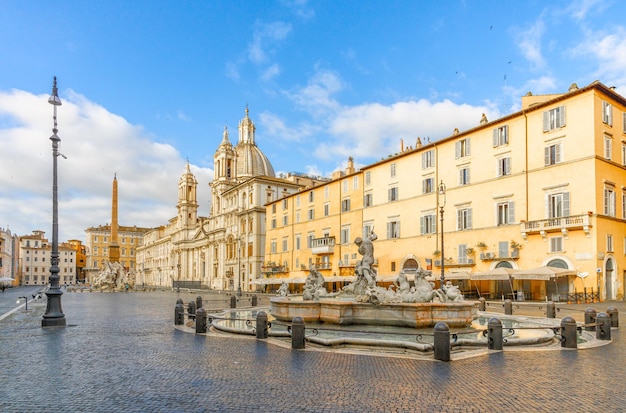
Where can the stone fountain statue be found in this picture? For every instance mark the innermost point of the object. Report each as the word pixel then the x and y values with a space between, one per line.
pixel 113 277
pixel 283 290
pixel 314 286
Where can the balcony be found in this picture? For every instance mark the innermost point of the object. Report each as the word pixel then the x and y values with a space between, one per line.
pixel 468 262
pixel 561 224
pixel 492 256
pixel 272 268
pixel 324 245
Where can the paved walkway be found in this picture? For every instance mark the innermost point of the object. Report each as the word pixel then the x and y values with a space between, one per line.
pixel 121 353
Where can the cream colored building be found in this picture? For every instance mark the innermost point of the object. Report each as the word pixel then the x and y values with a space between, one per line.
pixel 544 186
pixel 225 250
pixel 99 240
pixel 8 255
pixel 35 253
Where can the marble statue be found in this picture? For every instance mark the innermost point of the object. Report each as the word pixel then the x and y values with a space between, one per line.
pixel 283 290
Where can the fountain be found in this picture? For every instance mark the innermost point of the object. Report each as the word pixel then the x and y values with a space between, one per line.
pixel 113 277
pixel 363 302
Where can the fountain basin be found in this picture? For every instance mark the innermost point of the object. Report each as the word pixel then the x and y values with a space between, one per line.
pixel 333 311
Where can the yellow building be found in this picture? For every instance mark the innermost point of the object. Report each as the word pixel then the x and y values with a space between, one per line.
pixel 99 241
pixel 544 186
pixel 35 254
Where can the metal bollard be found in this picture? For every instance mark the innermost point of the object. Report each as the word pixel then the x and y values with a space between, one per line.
pixel 550 310
pixel 494 334
pixel 482 304
pixel 201 321
pixel 297 333
pixel 614 315
pixel 191 310
pixel 508 307
pixel 590 318
pixel 254 300
pixel 569 336
pixel 261 325
pixel 442 341
pixel 179 313
pixel 603 329
pixel 199 302
pixel 233 301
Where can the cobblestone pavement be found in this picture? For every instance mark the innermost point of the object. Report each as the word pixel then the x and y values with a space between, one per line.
pixel 121 352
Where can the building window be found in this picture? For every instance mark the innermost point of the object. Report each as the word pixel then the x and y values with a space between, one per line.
pixel 393 170
pixel 297 200
pixel 298 243
pixel 428 159
pixel 623 205
pixel 428 185
pixel 393 229
pixel 309 240
pixel 556 244
pixel 311 197
pixel 607 113
pixel 345 205
pixel 392 194
pixel 297 217
pixel 504 166
pixel 552 154
pixel 464 219
pixel 355 182
pixel 311 214
pixel 609 243
pixel 326 209
pixel 367 200
pixel 428 224
pixel 608 147
pixel 554 119
pixel 609 202
pixel 506 213
pixel 462 148
pixel 503 249
pixel 368 178
pixel 285 241
pixel 558 205
pixel 345 235
pixel 326 192
pixel 285 220
pixel 462 258
pixel 284 204
pixel 501 136
pixel 623 154
pixel 273 246
pixel 464 176
pixel 344 184
pixel 273 223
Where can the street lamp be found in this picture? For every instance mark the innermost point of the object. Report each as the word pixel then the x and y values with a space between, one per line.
pixel 54 317
pixel 26 299
pixel 239 267
pixel 178 282
pixel 442 203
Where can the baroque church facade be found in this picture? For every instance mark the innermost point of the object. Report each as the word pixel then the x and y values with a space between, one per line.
pixel 224 251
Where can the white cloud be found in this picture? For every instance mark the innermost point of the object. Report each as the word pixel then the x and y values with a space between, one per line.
pixel 98 144
pixel 264 39
pixel 316 97
pixel 274 126
pixel 369 130
pixel 529 43
pixel 270 73
pixel 609 50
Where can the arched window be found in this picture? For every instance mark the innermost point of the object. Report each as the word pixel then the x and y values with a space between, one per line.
pixel 558 263
pixel 504 264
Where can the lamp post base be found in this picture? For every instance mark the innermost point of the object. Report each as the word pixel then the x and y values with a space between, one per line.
pixel 53 316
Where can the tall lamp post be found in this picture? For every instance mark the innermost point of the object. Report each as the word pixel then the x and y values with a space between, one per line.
pixel 442 203
pixel 54 317
pixel 239 267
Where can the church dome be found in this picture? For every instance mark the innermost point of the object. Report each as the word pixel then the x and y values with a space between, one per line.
pixel 250 160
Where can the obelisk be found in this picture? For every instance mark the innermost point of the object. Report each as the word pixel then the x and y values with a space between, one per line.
pixel 114 248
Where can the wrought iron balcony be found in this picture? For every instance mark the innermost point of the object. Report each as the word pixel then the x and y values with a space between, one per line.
pixel 324 245
pixel 560 224
pixel 272 268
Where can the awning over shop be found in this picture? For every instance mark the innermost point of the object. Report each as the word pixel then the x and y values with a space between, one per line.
pixel 497 274
pixel 543 273
pixel 300 280
pixel 461 275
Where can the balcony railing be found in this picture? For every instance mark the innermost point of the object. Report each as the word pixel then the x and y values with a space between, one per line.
pixel 469 262
pixel 562 224
pixel 273 269
pixel 324 245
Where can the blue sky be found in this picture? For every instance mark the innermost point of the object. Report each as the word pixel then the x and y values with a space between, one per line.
pixel 147 85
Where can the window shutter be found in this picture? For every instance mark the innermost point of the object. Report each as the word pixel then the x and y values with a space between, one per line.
pixel 457 150
pixel 422 225
pixel 505 131
pixel 469 218
pixel 388 230
pixel 546 121
pixel 624 122
pixel 511 212
pixel 468 150
pixel 389 194
pixel 459 219
pixel 546 154
pixel 562 116
pixel 507 166
pixel 566 204
pixel 557 153
pixel 495 137
pixel 397 233
pixel 433 224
